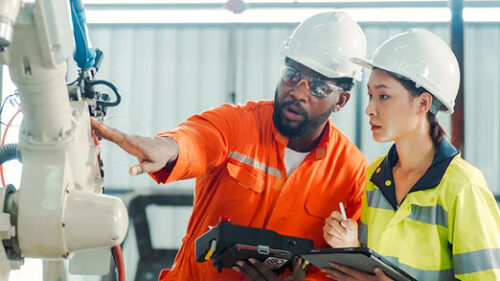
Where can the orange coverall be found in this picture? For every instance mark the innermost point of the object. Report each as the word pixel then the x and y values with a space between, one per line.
pixel 236 155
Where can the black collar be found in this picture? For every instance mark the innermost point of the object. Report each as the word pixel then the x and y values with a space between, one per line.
pixel 383 178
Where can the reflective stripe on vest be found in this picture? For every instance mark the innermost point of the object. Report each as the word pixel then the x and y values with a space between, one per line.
pixel 376 199
pixel 363 233
pixel 435 215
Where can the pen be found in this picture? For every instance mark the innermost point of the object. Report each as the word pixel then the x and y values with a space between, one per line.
pixel 344 217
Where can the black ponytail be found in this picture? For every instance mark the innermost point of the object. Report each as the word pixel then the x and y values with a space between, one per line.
pixel 437 132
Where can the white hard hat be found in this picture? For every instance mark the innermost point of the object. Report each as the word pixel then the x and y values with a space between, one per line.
pixel 324 42
pixel 422 57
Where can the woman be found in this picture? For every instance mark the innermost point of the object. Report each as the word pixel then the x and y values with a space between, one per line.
pixel 425 208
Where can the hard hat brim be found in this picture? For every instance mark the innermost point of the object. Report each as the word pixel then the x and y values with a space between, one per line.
pixel 366 63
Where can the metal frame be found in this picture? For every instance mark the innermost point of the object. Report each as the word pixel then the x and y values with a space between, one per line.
pixel 457 45
pixel 299 5
pixel 152 261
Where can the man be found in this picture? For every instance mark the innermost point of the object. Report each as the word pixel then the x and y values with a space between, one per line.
pixel 282 166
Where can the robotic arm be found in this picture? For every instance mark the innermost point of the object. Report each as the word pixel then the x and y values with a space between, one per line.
pixel 59 207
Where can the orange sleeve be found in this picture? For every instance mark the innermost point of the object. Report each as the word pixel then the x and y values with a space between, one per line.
pixel 353 208
pixel 203 141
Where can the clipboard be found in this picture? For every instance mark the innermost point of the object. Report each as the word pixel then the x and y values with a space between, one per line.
pixel 360 258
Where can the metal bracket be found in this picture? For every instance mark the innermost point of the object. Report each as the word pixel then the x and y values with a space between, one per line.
pixel 263 250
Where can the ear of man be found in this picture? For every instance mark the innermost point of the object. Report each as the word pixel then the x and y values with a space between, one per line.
pixel 342 100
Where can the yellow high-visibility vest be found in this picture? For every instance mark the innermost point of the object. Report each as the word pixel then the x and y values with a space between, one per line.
pixel 444 232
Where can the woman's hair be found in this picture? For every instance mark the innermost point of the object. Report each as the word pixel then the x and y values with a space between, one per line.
pixel 436 131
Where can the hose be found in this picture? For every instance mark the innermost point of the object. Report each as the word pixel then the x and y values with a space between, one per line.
pixel 9 152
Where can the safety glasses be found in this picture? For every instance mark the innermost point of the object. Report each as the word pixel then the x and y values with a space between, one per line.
pixel 317 86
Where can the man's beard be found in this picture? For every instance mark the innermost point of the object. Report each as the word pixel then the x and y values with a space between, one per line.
pixel 303 128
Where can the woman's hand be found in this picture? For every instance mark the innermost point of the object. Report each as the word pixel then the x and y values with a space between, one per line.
pixel 339 233
pixel 341 273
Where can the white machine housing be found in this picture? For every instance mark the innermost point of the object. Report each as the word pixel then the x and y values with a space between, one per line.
pixel 59 206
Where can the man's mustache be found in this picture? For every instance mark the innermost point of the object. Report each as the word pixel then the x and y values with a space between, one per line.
pixel 297 107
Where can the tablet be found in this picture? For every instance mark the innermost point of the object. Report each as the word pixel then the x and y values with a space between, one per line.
pixel 227 243
pixel 359 258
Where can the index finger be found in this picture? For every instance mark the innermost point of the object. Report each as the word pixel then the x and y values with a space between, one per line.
pixel 131 144
pixel 300 267
pixel 334 218
pixel 106 132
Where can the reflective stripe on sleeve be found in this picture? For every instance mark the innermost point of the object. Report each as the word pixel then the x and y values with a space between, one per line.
pixel 475 261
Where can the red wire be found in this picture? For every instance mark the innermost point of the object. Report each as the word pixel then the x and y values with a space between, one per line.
pixel 120 265
pixel 3 142
pixel 117 250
